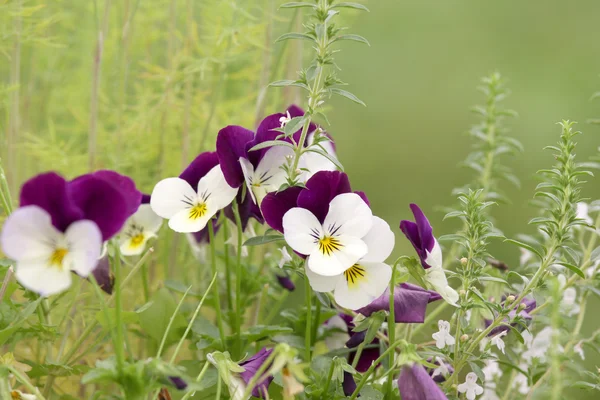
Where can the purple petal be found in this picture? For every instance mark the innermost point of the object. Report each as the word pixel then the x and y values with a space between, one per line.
pixel 286 282
pixel 231 145
pixel 276 204
pixel 356 338
pixel 179 383
pixel 100 202
pixel 251 366
pixel 247 210
pixel 363 196
pixel 415 383
pixel 264 133
pixel 321 188
pixel 145 198
pixel 410 303
pixel 103 275
pixel 199 167
pixel 49 192
pixel 348 385
pixel 530 305
pixel 425 229
pixel 367 358
pixel 124 184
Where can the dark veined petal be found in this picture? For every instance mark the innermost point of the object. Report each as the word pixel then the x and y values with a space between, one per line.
pixel 124 184
pixel 264 133
pixel 275 205
pixel 200 167
pixel 410 303
pixel 420 234
pixel 179 383
pixel 103 275
pixel 321 188
pixel 49 191
pixel 415 383
pixel 231 146
pixel 251 366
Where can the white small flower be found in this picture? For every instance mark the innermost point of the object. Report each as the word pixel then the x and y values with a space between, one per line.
pixel 285 257
pixel 491 371
pixel 470 386
pixel 583 212
pixel 521 382
pixel 569 302
pixel 442 369
pixel 189 210
pixel 443 337
pixel 140 227
pixel 540 345
pixel 284 120
pixel 526 256
pixel 498 342
pixel 578 348
pixel 527 338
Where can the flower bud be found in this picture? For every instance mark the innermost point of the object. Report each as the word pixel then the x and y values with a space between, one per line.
pixel 464 261
pixel 462 292
pixel 522 306
pixel 510 299
pixel 464 338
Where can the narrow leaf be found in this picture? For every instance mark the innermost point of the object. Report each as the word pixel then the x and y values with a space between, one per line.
pixel 355 6
pixel 270 143
pixel 295 35
pixel 348 95
pixel 354 38
pixel 525 246
pixel 259 240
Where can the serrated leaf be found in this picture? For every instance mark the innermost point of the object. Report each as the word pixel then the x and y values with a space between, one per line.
pixel 352 37
pixel 295 35
pixel 14 325
pixel 260 240
pixel 348 95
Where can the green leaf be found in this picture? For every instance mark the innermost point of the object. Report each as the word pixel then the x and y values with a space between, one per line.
pixel 155 319
pixel 295 35
pixel 525 246
pixel 6 262
pixel 355 6
pixel 297 4
pixel 289 82
pixel 292 127
pixel 492 279
pixel 573 268
pixel 271 143
pixel 128 317
pixel 259 332
pixel 260 240
pixel 320 151
pixel 348 95
pixel 354 38
pixel 585 385
pixel 14 326
pixel 370 393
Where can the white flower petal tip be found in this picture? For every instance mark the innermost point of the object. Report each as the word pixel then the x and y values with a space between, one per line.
pixel 436 277
pixel 498 342
pixel 470 387
pixel 187 210
pixel 45 257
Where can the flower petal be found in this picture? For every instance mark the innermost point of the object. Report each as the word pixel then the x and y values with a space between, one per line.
pixel 321 283
pixel 199 168
pixel 85 246
pixel 124 184
pixel 146 218
pixel 380 240
pixel 362 284
pixel 437 279
pixel 321 189
pixel 220 193
pixel 301 230
pixel 170 196
pixel 183 222
pixel 415 383
pixel 42 278
pixel 276 204
pixel 28 234
pixel 351 250
pixel 231 145
pixel 264 133
pixel 349 215
pixel 269 169
pixel 103 275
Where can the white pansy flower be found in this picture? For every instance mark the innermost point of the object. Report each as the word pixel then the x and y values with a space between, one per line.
pixel 498 342
pixel 443 337
pixel 336 244
pixel 46 257
pixel 268 176
pixel 470 387
pixel 140 227
pixel 186 209
pixel 367 279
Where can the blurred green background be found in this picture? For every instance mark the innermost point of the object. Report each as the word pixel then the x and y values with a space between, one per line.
pixel 174 72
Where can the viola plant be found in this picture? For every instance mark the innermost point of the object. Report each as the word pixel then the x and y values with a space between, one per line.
pixel 274 278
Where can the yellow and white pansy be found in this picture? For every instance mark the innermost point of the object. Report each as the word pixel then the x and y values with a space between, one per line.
pixel 365 280
pixel 186 209
pixel 268 176
pixel 336 244
pixel 140 227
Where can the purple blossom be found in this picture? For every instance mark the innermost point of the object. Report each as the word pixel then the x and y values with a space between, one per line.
pixel 103 276
pixel 251 366
pixel 410 303
pixel 530 305
pixel 286 282
pixel 348 385
pixel 179 383
pixel 444 369
pixel 415 383
pixel 420 234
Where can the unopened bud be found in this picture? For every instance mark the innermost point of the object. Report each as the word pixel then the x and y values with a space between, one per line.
pixel 510 299
pixel 453 387
pixel 464 261
pixel 522 306
pixel 464 338
pixel 462 292
pixel 298 172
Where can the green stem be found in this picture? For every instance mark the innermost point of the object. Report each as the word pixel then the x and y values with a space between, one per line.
pixel 238 278
pixel 329 376
pixel 171 320
pixel 119 350
pixel 227 266
pixel 213 264
pixel 25 382
pixel 308 330
pixel 391 333
pixel 198 379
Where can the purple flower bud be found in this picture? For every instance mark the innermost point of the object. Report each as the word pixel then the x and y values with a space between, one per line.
pixel 348 385
pixel 179 383
pixel 251 366
pixel 286 282
pixel 415 383
pixel 420 234
pixel 103 275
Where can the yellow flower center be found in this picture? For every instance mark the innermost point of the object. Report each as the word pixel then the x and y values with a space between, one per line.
pixel 58 257
pixel 328 245
pixel 137 240
pixel 354 275
pixel 198 211
pixel 15 395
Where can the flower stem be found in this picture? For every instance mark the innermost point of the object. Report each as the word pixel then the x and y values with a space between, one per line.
pixel 329 376
pixel 119 312
pixel 238 278
pixel 391 333
pixel 213 264
pixel 308 331
pixel 25 381
pixel 230 302
pixel 198 379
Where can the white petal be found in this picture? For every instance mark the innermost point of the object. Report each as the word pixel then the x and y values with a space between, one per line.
pixel 315 162
pixel 28 234
pixel 147 219
pixel 221 194
pixel 434 258
pixel 349 215
pixel 269 169
pixel 183 223
pixel 85 246
pixel 300 227
pixel 43 278
pixel 248 171
pixel 380 240
pixel 366 288
pixel 437 279
pixel 336 262
pixel 170 196
pixel 321 283
pixel 134 246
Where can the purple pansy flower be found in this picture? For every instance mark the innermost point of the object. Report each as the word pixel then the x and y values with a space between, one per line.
pixel 192 199
pixel 420 234
pixel 251 366
pixel 529 305
pixel 410 303
pixel 285 282
pixel 415 383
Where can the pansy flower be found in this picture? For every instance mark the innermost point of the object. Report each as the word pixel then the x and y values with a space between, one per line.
pixel 192 199
pixel 420 234
pixel 141 226
pixel 368 277
pixel 415 383
pixel 410 303
pixel 61 225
